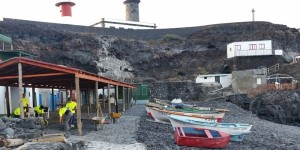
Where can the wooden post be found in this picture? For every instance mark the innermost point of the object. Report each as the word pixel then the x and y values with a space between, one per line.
pixel 132 96
pixel 103 97
pixel 7 101
pixel 102 23
pixel 108 95
pixel 61 98
pixel 79 124
pixel 97 98
pixel 88 101
pixel 117 97
pixel 67 94
pixel 34 96
pixel 128 99
pixel 123 99
pixel 21 90
pixel 52 102
pixel 91 98
pixel 71 92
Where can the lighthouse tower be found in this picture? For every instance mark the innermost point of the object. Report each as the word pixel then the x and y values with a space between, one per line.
pixel 66 7
pixel 132 10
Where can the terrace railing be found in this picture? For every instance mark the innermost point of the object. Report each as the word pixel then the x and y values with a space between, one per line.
pixel 272 87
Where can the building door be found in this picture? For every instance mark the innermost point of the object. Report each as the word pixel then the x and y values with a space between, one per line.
pixel 217 79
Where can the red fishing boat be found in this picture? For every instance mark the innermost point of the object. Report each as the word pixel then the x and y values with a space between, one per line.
pixel 200 137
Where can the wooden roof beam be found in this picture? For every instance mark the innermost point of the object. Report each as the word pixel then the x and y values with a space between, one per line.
pixel 34 75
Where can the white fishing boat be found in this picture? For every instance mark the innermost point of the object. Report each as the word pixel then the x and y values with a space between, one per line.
pixel 161 115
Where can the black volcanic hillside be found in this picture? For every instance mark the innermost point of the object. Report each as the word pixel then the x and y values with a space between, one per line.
pixel 150 55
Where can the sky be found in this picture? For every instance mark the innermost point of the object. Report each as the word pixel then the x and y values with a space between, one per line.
pixel 164 13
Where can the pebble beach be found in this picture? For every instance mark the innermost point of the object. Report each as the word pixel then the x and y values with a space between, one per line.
pixel 135 131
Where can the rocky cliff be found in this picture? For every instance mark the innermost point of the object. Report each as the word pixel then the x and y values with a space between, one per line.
pixel 279 106
pixel 168 55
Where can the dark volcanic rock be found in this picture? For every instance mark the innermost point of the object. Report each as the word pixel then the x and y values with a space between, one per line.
pixel 278 106
pixel 187 91
pixel 153 55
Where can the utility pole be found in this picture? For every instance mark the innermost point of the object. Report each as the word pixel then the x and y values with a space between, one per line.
pixel 253 11
pixel 253 19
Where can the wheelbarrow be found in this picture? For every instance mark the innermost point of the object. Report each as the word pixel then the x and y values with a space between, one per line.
pixel 98 121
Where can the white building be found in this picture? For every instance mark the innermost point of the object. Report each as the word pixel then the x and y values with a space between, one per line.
pixel 251 48
pixel 43 97
pixel 223 79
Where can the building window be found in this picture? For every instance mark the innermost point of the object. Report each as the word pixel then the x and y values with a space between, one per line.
pixel 237 47
pixel 258 81
pixel 252 46
pixel 261 46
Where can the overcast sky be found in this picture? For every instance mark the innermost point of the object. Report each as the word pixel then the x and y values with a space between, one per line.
pixel 165 13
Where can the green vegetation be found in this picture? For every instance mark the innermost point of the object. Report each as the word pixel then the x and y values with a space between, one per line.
pixel 201 70
pixel 171 38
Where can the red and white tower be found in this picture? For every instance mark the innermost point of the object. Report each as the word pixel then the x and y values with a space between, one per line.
pixel 66 7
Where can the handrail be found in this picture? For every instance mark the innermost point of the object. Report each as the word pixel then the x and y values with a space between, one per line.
pixel 273 68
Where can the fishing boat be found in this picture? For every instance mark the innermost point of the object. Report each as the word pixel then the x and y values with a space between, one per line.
pixel 236 130
pixel 148 112
pixel 193 118
pixel 161 115
pixel 199 137
pixel 206 111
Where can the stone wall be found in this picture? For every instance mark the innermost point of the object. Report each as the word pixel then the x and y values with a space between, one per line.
pixel 186 91
pixel 244 80
pixel 140 34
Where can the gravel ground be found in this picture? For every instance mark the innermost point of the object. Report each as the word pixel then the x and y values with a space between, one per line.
pixel 265 135
pixel 136 132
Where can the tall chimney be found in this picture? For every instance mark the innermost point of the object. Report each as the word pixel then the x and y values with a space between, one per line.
pixel 66 7
pixel 132 10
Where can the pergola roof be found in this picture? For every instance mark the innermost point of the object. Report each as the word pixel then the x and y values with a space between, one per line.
pixel 46 75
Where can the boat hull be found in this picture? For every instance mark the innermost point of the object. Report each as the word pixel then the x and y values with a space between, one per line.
pixel 162 115
pixel 237 131
pixel 149 112
pixel 159 116
pixel 197 137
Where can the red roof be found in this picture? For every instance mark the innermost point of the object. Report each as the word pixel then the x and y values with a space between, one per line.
pixel 47 75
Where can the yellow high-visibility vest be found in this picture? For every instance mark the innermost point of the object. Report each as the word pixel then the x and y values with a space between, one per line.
pixel 71 106
pixel 17 111
pixel 38 110
pixel 62 111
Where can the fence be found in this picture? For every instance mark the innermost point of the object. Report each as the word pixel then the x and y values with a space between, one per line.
pixel 272 87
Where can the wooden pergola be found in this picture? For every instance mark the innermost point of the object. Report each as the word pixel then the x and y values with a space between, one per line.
pixel 24 72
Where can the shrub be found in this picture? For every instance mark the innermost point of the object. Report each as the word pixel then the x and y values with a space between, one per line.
pixel 171 38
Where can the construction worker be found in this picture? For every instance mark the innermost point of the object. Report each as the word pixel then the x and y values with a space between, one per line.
pixel 65 116
pixel 25 102
pixel 39 110
pixel 17 112
pixel 71 105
